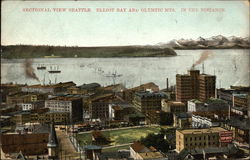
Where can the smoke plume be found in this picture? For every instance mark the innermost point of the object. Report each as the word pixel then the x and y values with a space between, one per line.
pixel 29 70
pixel 204 56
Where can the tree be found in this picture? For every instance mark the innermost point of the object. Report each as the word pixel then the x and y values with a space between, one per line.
pixel 166 118
pixel 157 141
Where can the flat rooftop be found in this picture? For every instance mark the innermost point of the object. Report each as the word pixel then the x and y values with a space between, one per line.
pixel 68 97
pixel 146 85
pixel 61 84
pixel 200 131
pixel 150 94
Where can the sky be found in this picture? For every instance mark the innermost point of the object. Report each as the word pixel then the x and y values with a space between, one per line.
pixel 119 28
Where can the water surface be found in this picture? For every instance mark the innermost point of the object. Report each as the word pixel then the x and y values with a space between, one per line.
pixel 230 66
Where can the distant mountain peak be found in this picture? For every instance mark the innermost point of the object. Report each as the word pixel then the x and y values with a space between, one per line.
pixel 219 41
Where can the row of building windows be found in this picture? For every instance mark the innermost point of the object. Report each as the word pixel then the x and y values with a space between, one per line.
pixel 59 109
pixel 200 138
pixel 200 144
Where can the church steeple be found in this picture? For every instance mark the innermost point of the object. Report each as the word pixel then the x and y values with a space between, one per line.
pixel 52 137
pixel 52 143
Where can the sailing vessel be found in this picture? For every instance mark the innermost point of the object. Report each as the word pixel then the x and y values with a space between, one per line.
pixel 41 67
pixel 55 70
pixel 113 75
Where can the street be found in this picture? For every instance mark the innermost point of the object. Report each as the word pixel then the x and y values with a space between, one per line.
pixel 67 150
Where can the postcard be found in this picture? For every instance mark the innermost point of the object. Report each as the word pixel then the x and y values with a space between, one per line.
pixel 109 76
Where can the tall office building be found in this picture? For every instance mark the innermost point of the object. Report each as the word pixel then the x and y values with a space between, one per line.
pixel 194 86
pixel 183 88
pixel 206 86
pixel 194 74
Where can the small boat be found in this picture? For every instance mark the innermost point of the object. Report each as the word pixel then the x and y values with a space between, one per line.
pixel 113 75
pixel 54 71
pixel 235 64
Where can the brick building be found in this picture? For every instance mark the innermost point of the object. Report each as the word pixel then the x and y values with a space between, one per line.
pixel 99 106
pixel 43 117
pixel 206 86
pixel 194 86
pixel 29 144
pixel 8 89
pixel 183 88
pixel 146 101
pixel 33 141
pixel 227 94
pixel 240 129
pixel 240 100
pixel 128 94
pixel 21 97
pixel 201 138
pixel 69 103
pixel 54 88
pixel 58 117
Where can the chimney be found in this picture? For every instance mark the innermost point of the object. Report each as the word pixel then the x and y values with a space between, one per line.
pixel 167 84
pixel 192 68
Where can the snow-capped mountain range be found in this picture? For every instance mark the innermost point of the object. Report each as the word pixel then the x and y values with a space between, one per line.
pixel 215 42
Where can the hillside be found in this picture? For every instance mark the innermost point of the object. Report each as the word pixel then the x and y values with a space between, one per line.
pixel 28 51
